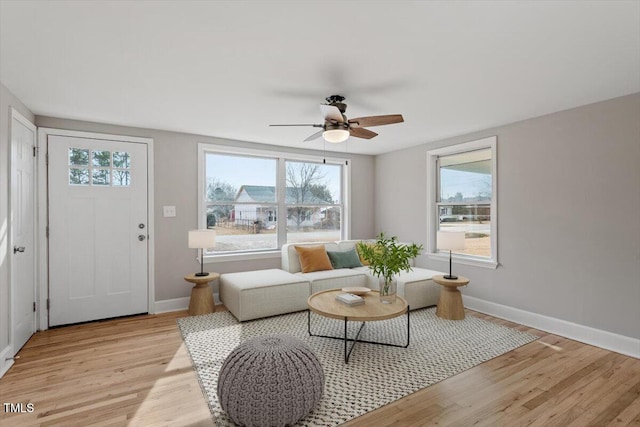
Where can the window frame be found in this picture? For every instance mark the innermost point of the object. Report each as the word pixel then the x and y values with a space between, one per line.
pixel 433 204
pixel 281 158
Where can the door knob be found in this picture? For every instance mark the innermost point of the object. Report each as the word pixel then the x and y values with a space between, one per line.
pixel 141 237
pixel 18 249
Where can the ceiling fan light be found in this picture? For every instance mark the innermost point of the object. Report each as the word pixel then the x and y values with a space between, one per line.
pixel 335 135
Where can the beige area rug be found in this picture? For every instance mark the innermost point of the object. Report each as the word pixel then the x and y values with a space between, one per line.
pixel 375 375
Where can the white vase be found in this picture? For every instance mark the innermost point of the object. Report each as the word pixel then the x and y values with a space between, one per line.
pixel 388 292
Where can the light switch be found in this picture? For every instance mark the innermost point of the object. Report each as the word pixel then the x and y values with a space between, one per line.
pixel 169 211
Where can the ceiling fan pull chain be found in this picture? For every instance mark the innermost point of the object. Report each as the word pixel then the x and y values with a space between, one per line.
pixel 324 151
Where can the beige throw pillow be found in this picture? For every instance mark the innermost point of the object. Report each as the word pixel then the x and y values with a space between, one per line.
pixel 313 258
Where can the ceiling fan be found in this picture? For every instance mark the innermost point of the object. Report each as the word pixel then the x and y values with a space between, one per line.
pixel 337 128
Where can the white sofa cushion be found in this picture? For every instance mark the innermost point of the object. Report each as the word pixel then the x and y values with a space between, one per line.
pixel 373 282
pixel 417 287
pixel 345 245
pixel 417 274
pixel 261 293
pixel 332 279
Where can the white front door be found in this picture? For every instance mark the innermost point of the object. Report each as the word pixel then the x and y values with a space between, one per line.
pixel 23 137
pixel 98 246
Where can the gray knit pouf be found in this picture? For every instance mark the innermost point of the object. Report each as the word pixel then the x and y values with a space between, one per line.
pixel 270 381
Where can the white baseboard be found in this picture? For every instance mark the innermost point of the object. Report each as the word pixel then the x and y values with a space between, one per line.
pixel 177 304
pixel 4 363
pixel 168 305
pixel 607 340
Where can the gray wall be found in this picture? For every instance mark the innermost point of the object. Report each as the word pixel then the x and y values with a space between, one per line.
pixel 7 100
pixel 568 214
pixel 569 211
pixel 175 182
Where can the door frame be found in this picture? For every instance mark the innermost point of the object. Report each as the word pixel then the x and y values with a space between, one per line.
pixel 16 115
pixel 43 217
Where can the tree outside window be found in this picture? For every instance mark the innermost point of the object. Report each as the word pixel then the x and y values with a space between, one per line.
pixel 243 197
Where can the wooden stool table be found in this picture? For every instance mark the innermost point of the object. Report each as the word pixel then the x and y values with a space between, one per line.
pixel 450 304
pixel 201 296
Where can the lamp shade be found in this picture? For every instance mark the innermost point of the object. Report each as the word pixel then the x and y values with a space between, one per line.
pixel 335 135
pixel 450 240
pixel 201 239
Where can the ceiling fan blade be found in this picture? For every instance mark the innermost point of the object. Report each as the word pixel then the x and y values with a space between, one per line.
pixel 331 112
pixel 362 133
pixel 314 136
pixel 307 124
pixel 377 120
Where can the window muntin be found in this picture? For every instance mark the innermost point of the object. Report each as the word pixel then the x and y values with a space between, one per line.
pixel 245 193
pixel 463 198
pixel 101 171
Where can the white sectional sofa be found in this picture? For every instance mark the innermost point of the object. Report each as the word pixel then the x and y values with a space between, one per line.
pixel 254 294
pixel 262 293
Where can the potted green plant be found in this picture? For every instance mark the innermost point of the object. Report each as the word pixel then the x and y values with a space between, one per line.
pixel 387 258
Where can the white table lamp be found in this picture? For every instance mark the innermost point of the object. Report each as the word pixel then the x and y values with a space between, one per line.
pixel 201 239
pixel 450 241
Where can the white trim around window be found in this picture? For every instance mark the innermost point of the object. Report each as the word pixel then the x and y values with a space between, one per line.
pixel 281 157
pixel 432 202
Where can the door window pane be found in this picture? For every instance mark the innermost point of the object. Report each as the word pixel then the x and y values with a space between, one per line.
pixel 79 176
pixel 121 178
pixel 101 177
pixel 121 159
pixel 78 157
pixel 101 158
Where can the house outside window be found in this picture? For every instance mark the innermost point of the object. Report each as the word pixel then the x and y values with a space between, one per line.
pixel 243 193
pixel 312 200
pixel 462 197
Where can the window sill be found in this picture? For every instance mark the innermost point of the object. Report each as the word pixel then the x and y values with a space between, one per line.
pixel 213 259
pixel 465 261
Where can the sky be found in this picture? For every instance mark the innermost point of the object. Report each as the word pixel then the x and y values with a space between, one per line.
pixel 467 183
pixel 260 172
pixel 255 171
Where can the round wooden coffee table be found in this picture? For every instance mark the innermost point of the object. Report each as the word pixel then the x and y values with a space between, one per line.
pixel 325 304
pixel 450 305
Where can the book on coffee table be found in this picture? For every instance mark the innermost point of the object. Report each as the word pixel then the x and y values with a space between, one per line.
pixel 350 299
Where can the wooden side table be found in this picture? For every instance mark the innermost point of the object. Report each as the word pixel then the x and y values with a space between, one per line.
pixel 450 304
pixel 201 296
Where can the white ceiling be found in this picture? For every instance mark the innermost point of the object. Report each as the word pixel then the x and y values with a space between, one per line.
pixel 229 69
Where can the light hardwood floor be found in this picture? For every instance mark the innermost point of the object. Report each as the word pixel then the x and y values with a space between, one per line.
pixel 136 372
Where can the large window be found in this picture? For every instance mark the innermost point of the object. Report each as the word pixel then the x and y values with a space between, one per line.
pixel 241 205
pixel 462 198
pixel 313 200
pixel 256 200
